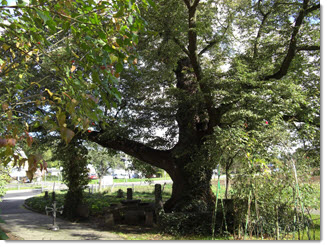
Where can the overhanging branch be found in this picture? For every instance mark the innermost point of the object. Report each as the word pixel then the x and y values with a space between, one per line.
pixel 157 158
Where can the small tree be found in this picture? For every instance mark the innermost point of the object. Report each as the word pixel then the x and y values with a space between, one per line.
pixel 102 159
pixel 75 174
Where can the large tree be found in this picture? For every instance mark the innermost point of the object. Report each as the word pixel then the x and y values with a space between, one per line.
pixel 202 65
pixel 208 64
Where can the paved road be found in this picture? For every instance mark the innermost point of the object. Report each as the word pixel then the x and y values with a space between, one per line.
pixel 28 225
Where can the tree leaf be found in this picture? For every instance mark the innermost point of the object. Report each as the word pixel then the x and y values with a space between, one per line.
pixel 49 92
pixel 120 12
pixel 72 68
pixel 5 47
pixel 119 67
pixel 67 134
pixel 45 17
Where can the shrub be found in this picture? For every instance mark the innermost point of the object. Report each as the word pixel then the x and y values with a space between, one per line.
pixel 198 223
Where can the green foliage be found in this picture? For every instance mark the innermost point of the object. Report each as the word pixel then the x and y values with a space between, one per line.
pixel 249 69
pixel 38 203
pixel 181 224
pixel 75 174
pixel 194 223
pixel 102 159
pixel 4 179
pixel 3 235
pixel 273 196
pixel 97 203
pixel 57 60
pixel 145 169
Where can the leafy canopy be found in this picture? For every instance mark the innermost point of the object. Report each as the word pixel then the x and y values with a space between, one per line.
pixel 58 58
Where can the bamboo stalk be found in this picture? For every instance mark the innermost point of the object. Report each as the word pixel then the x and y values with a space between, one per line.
pixel 277 226
pixel 224 216
pixel 298 195
pixel 257 209
pixel 216 204
pixel 294 218
pixel 262 230
pixel 248 215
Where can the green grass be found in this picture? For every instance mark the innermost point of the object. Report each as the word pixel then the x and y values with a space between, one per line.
pixel 39 203
pixel 139 188
pixel 155 235
pixel 24 188
pixel 123 180
pixel 97 202
pixel 314 231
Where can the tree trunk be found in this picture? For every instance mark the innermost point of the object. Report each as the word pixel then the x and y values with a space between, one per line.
pixel 191 189
pixel 75 176
pixel 228 166
pixel 100 182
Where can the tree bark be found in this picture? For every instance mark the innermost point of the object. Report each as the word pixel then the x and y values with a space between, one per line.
pixel 191 190
pixel 191 180
pixel 227 182
pixel 100 182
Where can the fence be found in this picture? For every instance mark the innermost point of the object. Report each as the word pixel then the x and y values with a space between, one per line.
pixel 112 188
pixel 145 187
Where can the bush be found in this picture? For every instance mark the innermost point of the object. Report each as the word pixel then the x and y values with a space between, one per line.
pixel 198 223
pixel 39 203
pixel 181 224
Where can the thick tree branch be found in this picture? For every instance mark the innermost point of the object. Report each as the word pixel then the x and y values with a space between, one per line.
pixel 208 47
pixel 217 114
pixel 313 8
pixel 187 3
pixel 157 158
pixel 265 16
pixel 181 46
pixel 213 42
pixel 260 9
pixel 308 48
pixel 192 38
pixel 292 48
pixel 195 4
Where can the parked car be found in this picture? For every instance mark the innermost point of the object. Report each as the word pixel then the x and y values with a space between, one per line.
pixel 93 176
pixel 135 175
pixel 120 176
pixel 25 180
